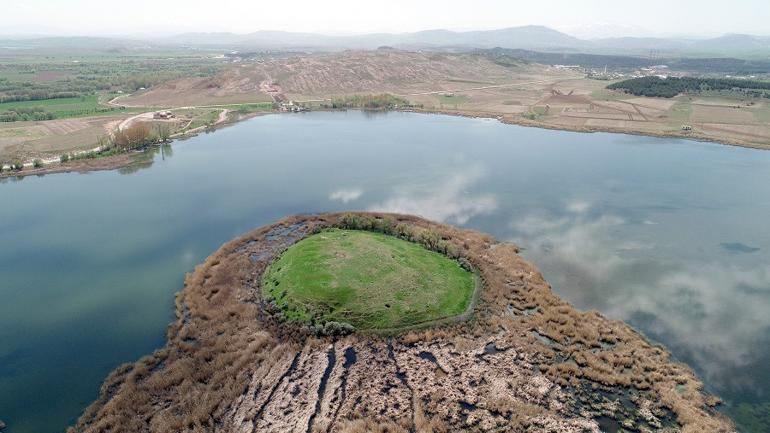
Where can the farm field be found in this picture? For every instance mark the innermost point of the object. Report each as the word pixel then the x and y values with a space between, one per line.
pixel 63 108
pixel 23 140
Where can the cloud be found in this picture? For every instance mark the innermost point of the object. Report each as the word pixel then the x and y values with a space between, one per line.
pixel 346 195
pixel 446 199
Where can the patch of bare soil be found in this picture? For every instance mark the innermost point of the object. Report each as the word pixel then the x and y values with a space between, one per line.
pixel 525 361
pixel 233 86
pixel 42 139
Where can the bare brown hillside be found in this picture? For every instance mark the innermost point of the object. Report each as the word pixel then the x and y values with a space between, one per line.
pixel 322 75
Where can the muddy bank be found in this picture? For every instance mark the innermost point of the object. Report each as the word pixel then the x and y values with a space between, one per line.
pixel 113 162
pixel 521 121
pixel 127 161
pixel 525 361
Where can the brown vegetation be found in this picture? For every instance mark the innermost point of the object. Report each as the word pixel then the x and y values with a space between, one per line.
pixel 527 361
pixel 132 137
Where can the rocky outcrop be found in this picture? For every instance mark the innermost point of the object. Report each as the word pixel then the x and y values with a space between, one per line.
pixel 525 361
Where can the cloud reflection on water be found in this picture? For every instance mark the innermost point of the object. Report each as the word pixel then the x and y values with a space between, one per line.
pixel 714 316
pixel 445 198
pixel 346 195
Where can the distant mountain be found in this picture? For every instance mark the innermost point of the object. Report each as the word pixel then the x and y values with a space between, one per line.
pixel 640 44
pixel 536 38
pixel 526 37
pixel 514 37
pixel 733 43
pixel 601 30
pixel 529 37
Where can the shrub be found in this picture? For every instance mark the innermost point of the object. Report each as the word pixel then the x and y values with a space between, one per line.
pixel 357 222
pixel 37 163
pixel 64 158
pixel 430 240
pixel 370 102
pixel 404 231
pixel 332 328
pixel 133 137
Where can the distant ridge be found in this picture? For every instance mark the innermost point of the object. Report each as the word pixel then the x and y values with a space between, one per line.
pixel 519 37
pixel 526 37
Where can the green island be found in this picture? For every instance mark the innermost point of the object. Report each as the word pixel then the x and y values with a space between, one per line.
pixel 368 280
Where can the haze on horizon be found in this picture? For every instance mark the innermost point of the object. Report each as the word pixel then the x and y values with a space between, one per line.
pixel 586 19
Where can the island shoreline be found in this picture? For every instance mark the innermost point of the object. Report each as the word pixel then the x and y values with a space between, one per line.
pixel 518 321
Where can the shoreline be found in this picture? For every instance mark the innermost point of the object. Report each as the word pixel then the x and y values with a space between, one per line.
pixel 115 162
pixel 122 160
pixel 520 121
pixel 112 162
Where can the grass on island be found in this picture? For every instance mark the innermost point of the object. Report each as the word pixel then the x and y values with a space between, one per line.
pixel 369 280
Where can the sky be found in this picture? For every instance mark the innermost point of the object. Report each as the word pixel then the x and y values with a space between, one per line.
pixel 585 18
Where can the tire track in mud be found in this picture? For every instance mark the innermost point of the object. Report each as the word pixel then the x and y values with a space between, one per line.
pixel 401 375
pixel 331 357
pixel 277 384
pixel 350 359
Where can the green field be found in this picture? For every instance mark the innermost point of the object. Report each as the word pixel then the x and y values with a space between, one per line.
pixel 63 107
pixel 369 280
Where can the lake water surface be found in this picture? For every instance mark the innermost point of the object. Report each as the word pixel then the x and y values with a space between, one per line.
pixel 669 235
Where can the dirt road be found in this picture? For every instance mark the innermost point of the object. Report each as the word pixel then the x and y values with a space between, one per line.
pixel 495 86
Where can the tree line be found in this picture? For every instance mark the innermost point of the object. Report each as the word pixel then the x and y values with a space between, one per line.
pixel 383 101
pixel 81 79
pixel 673 86
pixel 26 114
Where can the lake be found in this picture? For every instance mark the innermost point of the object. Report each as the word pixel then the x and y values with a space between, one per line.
pixel 669 235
